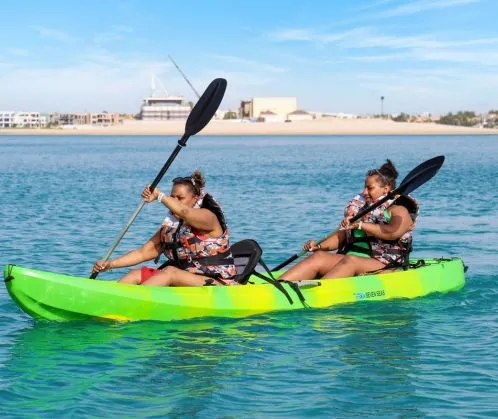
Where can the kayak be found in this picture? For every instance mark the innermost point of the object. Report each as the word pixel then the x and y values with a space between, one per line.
pixel 59 297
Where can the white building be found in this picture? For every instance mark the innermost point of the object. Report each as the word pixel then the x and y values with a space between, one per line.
pixel 7 119
pixel 339 115
pixel 280 106
pixel 165 107
pixel 299 115
pixel 10 119
pixel 160 108
pixel 29 120
pixel 269 116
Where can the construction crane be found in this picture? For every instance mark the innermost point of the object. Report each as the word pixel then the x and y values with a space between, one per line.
pixel 184 76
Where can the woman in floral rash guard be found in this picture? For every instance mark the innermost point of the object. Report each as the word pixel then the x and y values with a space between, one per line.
pixel 381 239
pixel 194 238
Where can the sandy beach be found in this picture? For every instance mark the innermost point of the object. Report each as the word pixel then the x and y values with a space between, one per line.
pixel 325 126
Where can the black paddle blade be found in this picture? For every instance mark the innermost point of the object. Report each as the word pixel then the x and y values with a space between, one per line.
pixel 206 107
pixel 418 176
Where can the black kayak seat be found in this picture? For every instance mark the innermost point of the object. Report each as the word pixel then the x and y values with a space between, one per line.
pixel 246 255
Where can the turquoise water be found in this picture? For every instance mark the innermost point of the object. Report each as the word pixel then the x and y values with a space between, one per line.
pixel 64 200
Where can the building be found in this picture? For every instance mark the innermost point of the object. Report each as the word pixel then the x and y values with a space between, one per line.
pixel 29 120
pixel 104 118
pixel 245 109
pixel 78 118
pixel 161 108
pixel 269 116
pixel 338 115
pixel 299 115
pixel 280 106
pixel 7 119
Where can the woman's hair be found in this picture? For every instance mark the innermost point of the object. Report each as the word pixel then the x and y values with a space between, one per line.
pixel 195 182
pixel 386 174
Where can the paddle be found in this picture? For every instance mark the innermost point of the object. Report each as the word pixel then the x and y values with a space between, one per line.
pixel 416 178
pixel 200 115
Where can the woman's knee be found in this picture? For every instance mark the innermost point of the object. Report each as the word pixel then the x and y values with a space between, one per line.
pixel 132 277
pixel 348 260
pixel 168 272
pixel 320 257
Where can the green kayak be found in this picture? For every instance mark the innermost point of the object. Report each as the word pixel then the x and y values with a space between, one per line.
pixel 53 296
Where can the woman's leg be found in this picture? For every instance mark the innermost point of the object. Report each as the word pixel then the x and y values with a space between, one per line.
pixel 174 277
pixel 318 264
pixel 352 265
pixel 132 277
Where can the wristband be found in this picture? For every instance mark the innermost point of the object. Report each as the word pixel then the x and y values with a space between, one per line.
pixel 160 197
pixel 360 225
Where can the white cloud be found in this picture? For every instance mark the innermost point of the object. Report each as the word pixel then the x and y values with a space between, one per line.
pixel 374 4
pixel 53 34
pixel 116 33
pixel 483 58
pixel 19 52
pixel 292 35
pixel 249 63
pixel 94 85
pixel 381 57
pixel 422 6
pixel 308 35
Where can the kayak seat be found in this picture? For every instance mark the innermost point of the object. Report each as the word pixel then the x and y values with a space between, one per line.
pixel 246 255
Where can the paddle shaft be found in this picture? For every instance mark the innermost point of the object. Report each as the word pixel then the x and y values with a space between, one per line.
pixel 182 142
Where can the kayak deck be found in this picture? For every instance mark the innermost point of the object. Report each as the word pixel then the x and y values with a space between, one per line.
pixel 59 297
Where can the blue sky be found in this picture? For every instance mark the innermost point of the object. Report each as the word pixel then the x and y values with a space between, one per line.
pixel 337 56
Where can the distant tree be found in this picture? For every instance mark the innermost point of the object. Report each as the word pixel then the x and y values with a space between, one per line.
pixel 191 104
pixel 461 118
pixel 402 117
pixel 230 115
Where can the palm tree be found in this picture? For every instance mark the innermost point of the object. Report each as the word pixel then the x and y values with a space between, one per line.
pixel 382 106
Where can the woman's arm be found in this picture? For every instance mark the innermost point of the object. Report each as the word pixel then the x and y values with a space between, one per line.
pixel 400 223
pixel 199 218
pixel 148 251
pixel 330 243
pixel 334 241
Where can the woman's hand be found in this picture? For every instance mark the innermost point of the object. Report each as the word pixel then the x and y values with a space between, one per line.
pixel 149 196
pixel 345 223
pixel 102 266
pixel 311 246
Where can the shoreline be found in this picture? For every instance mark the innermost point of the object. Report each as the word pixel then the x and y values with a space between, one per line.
pixel 322 126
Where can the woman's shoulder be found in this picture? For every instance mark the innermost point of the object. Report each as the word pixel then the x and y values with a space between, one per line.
pixel 409 203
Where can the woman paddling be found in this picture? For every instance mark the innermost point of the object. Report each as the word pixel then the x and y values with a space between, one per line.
pixel 382 239
pixel 194 238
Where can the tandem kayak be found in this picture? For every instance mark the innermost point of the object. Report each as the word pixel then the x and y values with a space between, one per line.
pixel 54 296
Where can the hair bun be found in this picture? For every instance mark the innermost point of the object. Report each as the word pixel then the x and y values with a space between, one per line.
pixel 389 170
pixel 198 179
